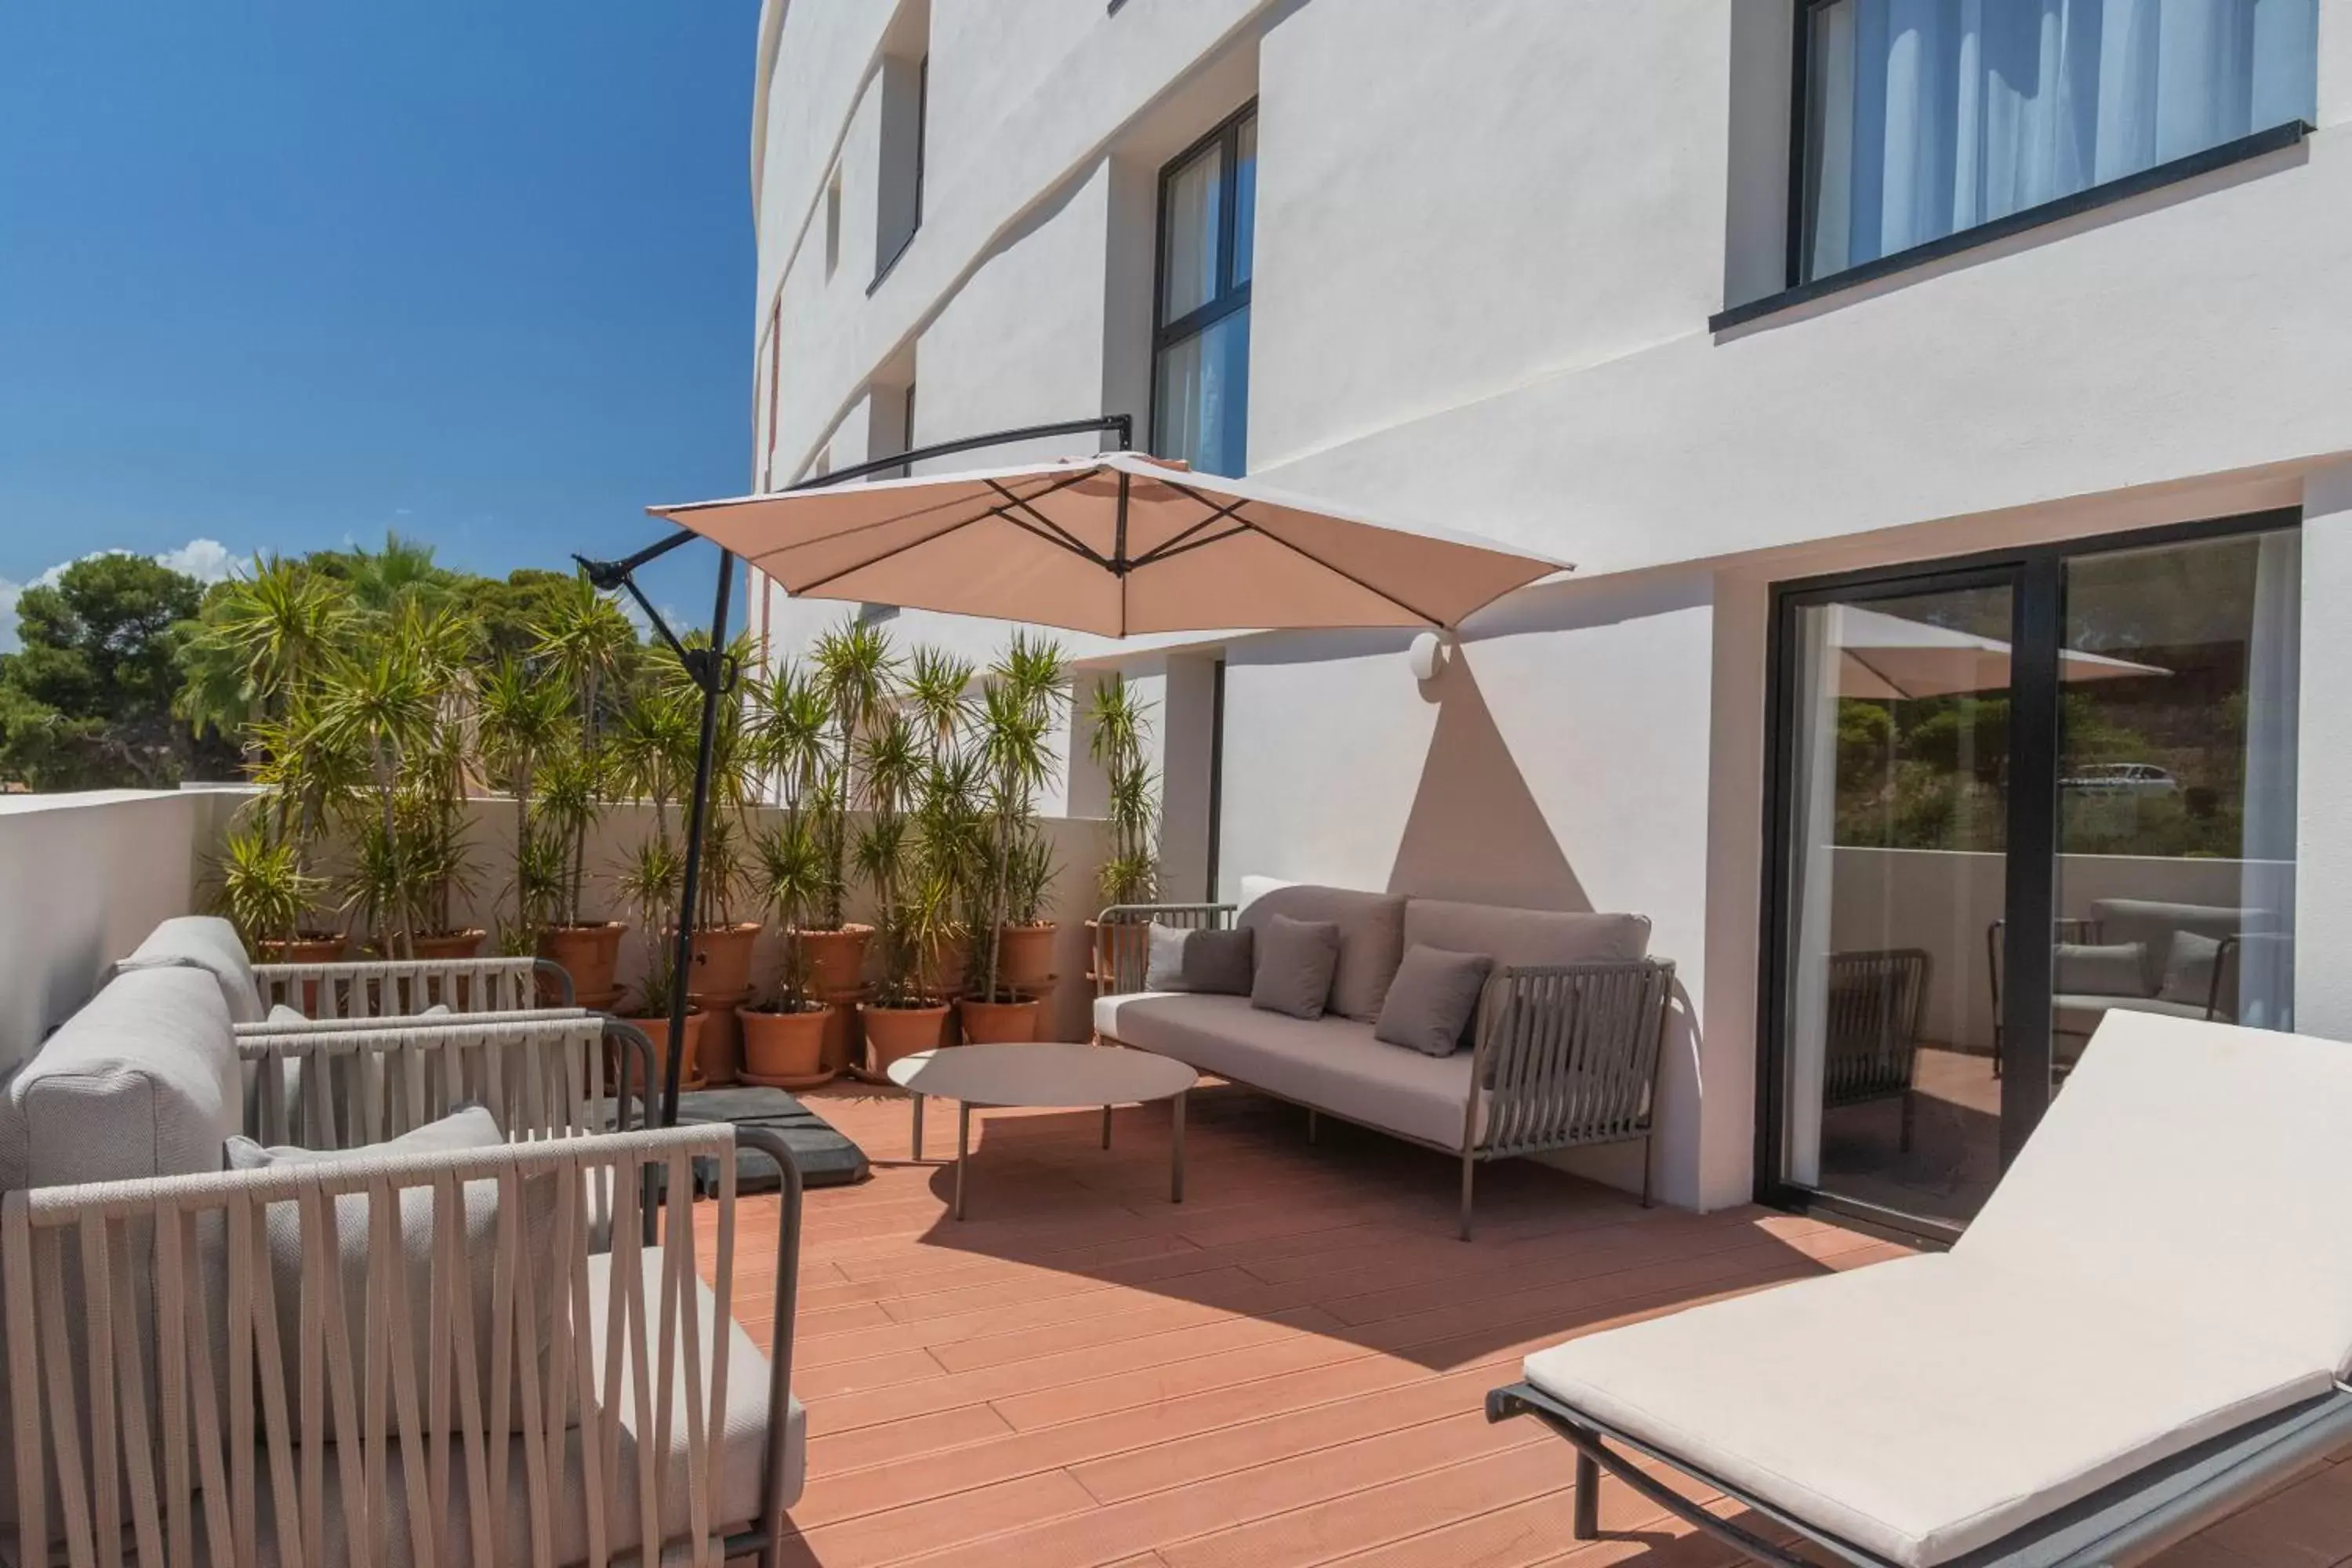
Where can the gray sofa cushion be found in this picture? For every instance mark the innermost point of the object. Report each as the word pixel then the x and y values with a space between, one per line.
pixel 1217 962
pixel 1295 960
pixel 143 1082
pixel 1331 1063
pixel 1371 938
pixel 2106 969
pixel 1433 999
pixel 209 943
pixel 1526 937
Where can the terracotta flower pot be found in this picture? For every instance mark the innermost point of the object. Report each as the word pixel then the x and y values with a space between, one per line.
pixel 894 1032
pixel 447 944
pixel 1025 957
pixel 722 960
pixel 997 1023
pixel 588 953
pixel 304 950
pixel 944 971
pixel 689 1072
pixel 836 959
pixel 785 1050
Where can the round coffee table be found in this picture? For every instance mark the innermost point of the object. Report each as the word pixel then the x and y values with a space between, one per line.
pixel 1044 1075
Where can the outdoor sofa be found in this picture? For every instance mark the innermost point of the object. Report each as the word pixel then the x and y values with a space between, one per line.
pixel 444 1348
pixel 2150 1322
pixel 1561 1052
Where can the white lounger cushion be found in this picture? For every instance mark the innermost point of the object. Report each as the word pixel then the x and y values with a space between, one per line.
pixel 1924 1407
pixel 2163 1262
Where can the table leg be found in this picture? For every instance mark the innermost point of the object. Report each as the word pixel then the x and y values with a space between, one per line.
pixel 1106 1126
pixel 1176 1153
pixel 918 1097
pixel 963 1151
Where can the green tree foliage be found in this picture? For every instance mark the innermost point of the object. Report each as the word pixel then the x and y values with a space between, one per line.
pixel 87 703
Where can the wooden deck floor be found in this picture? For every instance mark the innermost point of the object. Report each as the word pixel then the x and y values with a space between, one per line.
pixel 1285 1371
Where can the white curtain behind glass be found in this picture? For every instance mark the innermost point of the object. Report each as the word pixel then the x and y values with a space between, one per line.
pixel 1933 116
pixel 2273 679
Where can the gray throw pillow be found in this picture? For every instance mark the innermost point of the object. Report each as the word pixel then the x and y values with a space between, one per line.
pixel 1433 999
pixel 2188 968
pixel 2106 969
pixel 1215 962
pixel 1295 960
pixel 470 1127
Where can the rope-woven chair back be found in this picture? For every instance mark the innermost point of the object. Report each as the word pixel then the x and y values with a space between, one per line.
pixel 1569 1053
pixel 401 988
pixel 539 1078
pixel 179 1349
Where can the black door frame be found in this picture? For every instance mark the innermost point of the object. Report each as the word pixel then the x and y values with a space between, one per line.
pixel 2036 575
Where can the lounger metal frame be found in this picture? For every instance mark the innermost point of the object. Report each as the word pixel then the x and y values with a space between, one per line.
pixel 2123 1524
pixel 1566 1054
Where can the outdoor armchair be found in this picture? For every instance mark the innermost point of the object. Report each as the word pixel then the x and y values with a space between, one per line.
pixel 2149 1322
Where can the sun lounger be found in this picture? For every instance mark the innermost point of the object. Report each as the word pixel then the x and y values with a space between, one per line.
pixel 2148 1325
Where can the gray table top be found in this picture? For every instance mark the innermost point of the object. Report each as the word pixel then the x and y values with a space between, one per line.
pixel 1043 1075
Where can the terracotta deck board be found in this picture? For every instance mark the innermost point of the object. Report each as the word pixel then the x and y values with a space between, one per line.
pixel 1286 1369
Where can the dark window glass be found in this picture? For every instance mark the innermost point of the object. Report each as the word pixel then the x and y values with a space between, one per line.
pixel 1208 226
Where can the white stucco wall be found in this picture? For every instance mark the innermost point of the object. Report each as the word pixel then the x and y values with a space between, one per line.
pixel 83 878
pixel 1488 242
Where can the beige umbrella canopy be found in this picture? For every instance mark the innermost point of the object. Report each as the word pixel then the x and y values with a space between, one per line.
pixel 1895 659
pixel 1116 544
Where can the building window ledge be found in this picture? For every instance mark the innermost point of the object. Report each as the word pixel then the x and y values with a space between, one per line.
pixel 2260 145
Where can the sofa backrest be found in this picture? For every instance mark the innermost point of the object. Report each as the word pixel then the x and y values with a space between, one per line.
pixel 2152 923
pixel 1526 937
pixel 210 943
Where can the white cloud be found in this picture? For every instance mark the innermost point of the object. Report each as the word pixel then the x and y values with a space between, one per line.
pixel 205 560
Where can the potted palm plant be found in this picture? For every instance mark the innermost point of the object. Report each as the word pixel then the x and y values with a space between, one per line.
pixel 522 722
pixel 1118 735
pixel 936 696
pixel 264 891
pixel 585 644
pixel 651 748
pixel 650 882
pixel 899 1017
pixel 1019 702
pixel 783 1039
pixel 380 701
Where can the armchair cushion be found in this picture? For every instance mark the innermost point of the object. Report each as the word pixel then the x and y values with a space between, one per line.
pixel 533 1254
pixel 1433 1000
pixel 143 1082
pixel 1526 938
pixel 205 942
pixel 1295 965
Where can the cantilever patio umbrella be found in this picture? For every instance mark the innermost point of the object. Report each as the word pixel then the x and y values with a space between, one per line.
pixel 1112 542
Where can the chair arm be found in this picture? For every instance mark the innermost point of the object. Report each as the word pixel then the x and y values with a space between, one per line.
pixel 152 1359
pixel 380 987
pixel 541 1074
pixel 1120 963
pixel 1567 1054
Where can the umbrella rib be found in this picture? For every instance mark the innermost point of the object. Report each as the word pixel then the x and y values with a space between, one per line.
pixel 1061 536
pixel 895 550
pixel 1175 544
pixel 1305 554
pixel 1173 548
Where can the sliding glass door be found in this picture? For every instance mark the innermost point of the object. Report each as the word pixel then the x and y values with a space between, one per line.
pixel 2010 796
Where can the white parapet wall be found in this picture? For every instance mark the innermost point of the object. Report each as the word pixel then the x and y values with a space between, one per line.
pixel 83 876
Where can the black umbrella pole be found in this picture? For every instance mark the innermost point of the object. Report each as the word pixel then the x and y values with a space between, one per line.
pixel 712 680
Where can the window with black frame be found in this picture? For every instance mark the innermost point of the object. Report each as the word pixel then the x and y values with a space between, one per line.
pixel 1924 119
pixel 1208 219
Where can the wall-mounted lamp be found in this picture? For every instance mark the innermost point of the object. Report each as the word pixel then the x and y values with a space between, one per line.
pixel 1426 656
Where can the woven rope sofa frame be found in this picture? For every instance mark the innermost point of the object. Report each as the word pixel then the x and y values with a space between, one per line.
pixel 1567 1055
pixel 393 987
pixel 157 1431
pixel 1877 998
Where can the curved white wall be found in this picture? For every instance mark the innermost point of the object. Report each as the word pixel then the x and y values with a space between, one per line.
pixel 1488 241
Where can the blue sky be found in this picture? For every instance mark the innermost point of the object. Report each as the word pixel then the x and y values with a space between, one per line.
pixel 276 276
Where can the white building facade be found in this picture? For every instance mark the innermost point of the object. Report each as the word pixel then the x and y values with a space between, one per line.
pixel 1947 405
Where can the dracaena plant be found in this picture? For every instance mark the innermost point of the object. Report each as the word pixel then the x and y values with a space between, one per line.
pixel 523 722
pixel 891 762
pixel 1020 698
pixel 1118 735
pixel 858 675
pixel 585 643
pixel 791 877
